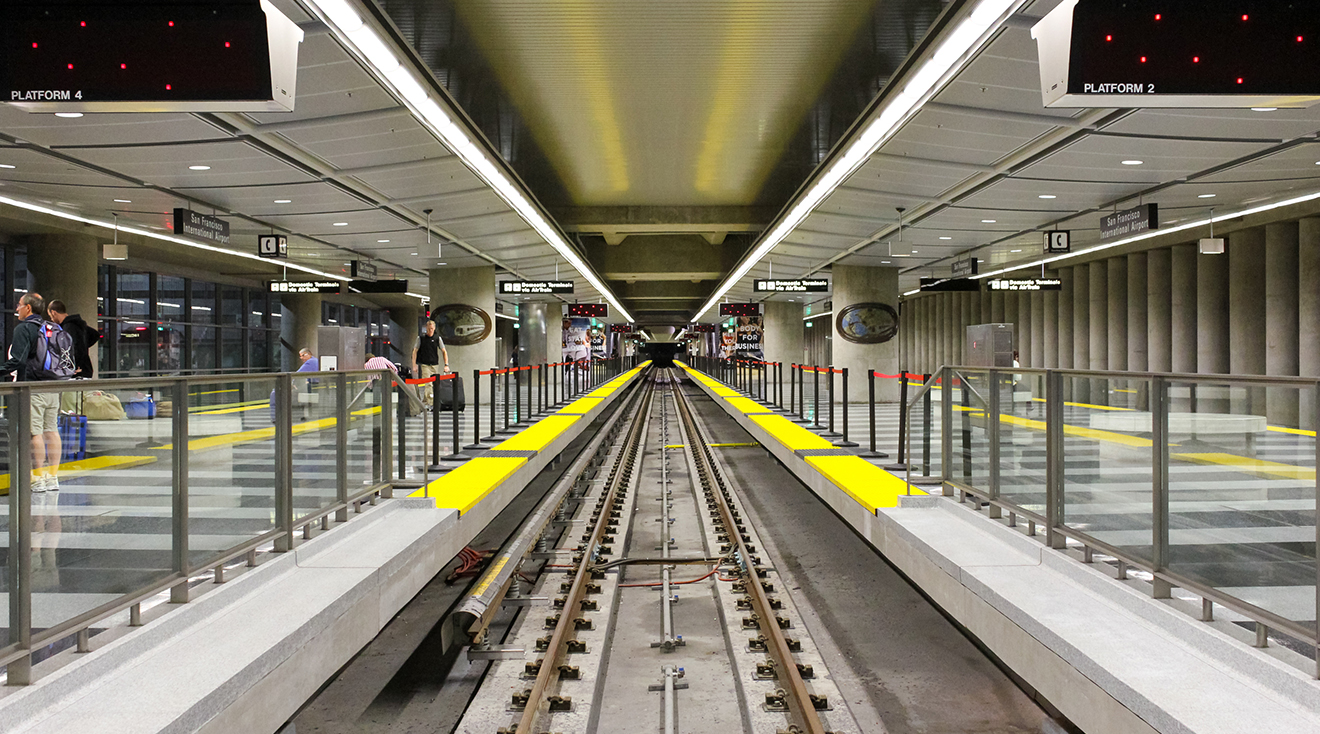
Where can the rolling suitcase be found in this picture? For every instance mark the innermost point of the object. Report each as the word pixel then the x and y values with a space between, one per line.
pixel 445 390
pixel 73 437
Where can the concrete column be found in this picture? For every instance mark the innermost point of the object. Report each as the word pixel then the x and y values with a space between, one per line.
pixel 941 330
pixel 921 352
pixel 1212 329
pixel 1246 316
pixel 1281 318
pixel 63 268
pixel 301 315
pixel 408 319
pixel 996 308
pixel 1184 277
pixel 1024 327
pixel 856 284
pixel 470 287
pixel 1116 280
pixel 1137 336
pixel 1159 339
pixel 984 311
pixel 1081 391
pixel 1049 351
pixel 1038 349
pixel 1098 302
pixel 534 324
pixel 1063 321
pixel 1308 313
pixel 783 340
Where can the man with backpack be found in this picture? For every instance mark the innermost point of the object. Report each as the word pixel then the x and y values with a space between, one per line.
pixel 41 351
pixel 84 337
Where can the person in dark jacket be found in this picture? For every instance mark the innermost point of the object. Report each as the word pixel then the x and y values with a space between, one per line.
pixel 84 337
pixel 45 406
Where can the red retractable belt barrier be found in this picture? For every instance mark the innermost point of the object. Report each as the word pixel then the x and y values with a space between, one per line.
pixel 908 375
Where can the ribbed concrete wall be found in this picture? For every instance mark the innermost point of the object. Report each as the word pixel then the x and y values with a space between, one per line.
pixel 1252 311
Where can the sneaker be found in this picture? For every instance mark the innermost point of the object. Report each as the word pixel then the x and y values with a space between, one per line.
pixel 39 483
pixel 52 483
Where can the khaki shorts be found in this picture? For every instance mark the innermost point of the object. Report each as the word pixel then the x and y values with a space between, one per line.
pixel 45 412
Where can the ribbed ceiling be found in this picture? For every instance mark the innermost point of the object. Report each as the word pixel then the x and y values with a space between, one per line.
pixel 684 102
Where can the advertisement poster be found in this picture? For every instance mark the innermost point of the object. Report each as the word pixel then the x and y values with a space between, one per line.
pixel 577 339
pixel 749 332
pixel 728 344
pixel 597 344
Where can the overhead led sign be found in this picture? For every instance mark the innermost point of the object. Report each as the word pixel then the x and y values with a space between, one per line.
pixel 791 286
pixel 523 287
pixel 142 56
pixel 621 328
pixel 589 310
pixel 304 286
pixel 703 328
pixel 1179 53
pixel 1026 284
pixel 740 309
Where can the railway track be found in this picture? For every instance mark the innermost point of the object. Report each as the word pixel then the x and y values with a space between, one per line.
pixel 636 599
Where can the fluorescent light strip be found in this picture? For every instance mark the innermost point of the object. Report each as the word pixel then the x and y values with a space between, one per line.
pixel 817 315
pixel 1149 234
pixel 348 24
pixel 499 315
pixel 156 236
pixel 969 35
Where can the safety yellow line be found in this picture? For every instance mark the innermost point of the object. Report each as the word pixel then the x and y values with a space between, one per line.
pixel 1294 431
pixel 217 392
pixel 86 466
pixel 242 407
pixel 1255 467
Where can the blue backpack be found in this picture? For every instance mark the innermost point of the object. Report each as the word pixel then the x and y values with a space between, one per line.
pixel 53 358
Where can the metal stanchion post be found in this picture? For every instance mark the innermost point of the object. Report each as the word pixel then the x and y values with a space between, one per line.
pixel 476 413
pixel 435 426
pixel 506 400
pixel 792 387
pixel 518 417
pixel 815 396
pixel 492 436
pixel 901 464
pixel 829 392
pixel 453 412
pixel 844 442
pixel 926 419
pixel 870 389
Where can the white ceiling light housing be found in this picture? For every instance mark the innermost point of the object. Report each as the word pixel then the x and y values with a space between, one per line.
pixel 69 115
pixel 1047 196
pixel 1134 163
pixel 989 221
pixel 5 165
pixel 123 201
pixel 199 168
pixel 954 50
pixel 946 238
pixel 1206 196
pixel 284 201
pixel 349 26
pixel 341 224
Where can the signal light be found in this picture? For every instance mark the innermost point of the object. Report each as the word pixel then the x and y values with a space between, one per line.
pixel 1244 17
pixel 1158 16
pixel 1239 80
pixel 123 66
pixel 83 24
pixel 70 66
pixel 1143 59
pixel 168 87
pixel 34 43
pixel 1196 59
pixel 1107 38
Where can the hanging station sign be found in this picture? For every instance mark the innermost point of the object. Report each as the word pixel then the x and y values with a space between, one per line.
pixel 201 226
pixel 818 285
pixel 1058 241
pixel 963 268
pixel 363 270
pixel 304 286
pixel 1025 284
pixel 272 245
pixel 1130 221
pixel 538 287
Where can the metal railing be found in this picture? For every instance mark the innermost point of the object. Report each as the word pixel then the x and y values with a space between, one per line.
pixel 1205 483
pixel 147 506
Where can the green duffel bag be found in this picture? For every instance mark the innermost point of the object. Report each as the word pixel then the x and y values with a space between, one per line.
pixel 100 406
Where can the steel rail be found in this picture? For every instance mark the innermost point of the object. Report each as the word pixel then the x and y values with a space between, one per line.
pixel 620 475
pixel 475 612
pixel 799 698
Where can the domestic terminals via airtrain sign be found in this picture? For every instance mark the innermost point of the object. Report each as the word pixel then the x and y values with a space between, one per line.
pixel 522 287
pixel 791 286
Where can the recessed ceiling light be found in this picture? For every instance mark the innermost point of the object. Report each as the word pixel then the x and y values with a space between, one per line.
pixel 988 221
pixel 5 165
pixel 1047 196
pixel 69 115
pixel 1015 251
pixel 382 241
pixel 1263 109
pixel 123 201
pixel 284 201
pixel 1133 163
pixel 341 224
pixel 946 238
pixel 414 254
pixel 1206 196
pixel 884 262
pixel 199 168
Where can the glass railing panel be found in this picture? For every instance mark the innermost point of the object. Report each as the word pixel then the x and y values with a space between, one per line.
pixel 1242 491
pixel 922 447
pixel 231 465
pixel 103 527
pixel 1022 440
pixel 364 426
pixel 7 406
pixel 969 463
pixel 315 444
pixel 1108 463
pixel 412 436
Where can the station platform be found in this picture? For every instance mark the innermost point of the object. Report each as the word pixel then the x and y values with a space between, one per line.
pixel 243 655
pixel 1099 649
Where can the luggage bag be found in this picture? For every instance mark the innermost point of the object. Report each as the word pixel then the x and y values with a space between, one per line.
pixel 445 391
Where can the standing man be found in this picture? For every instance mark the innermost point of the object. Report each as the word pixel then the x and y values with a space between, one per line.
pixel 41 351
pixel 426 355
pixel 309 363
pixel 84 337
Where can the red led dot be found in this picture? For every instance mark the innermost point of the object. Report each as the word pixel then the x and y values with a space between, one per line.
pixel 168 86
pixel 171 24
pixel 226 44
pixel 34 45
pixel 83 24
pixel 70 66
pixel 123 66
pixel 1196 59
pixel 1107 38
pixel 1143 59
pixel 1158 16
pixel 1244 17
pixel 1239 80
